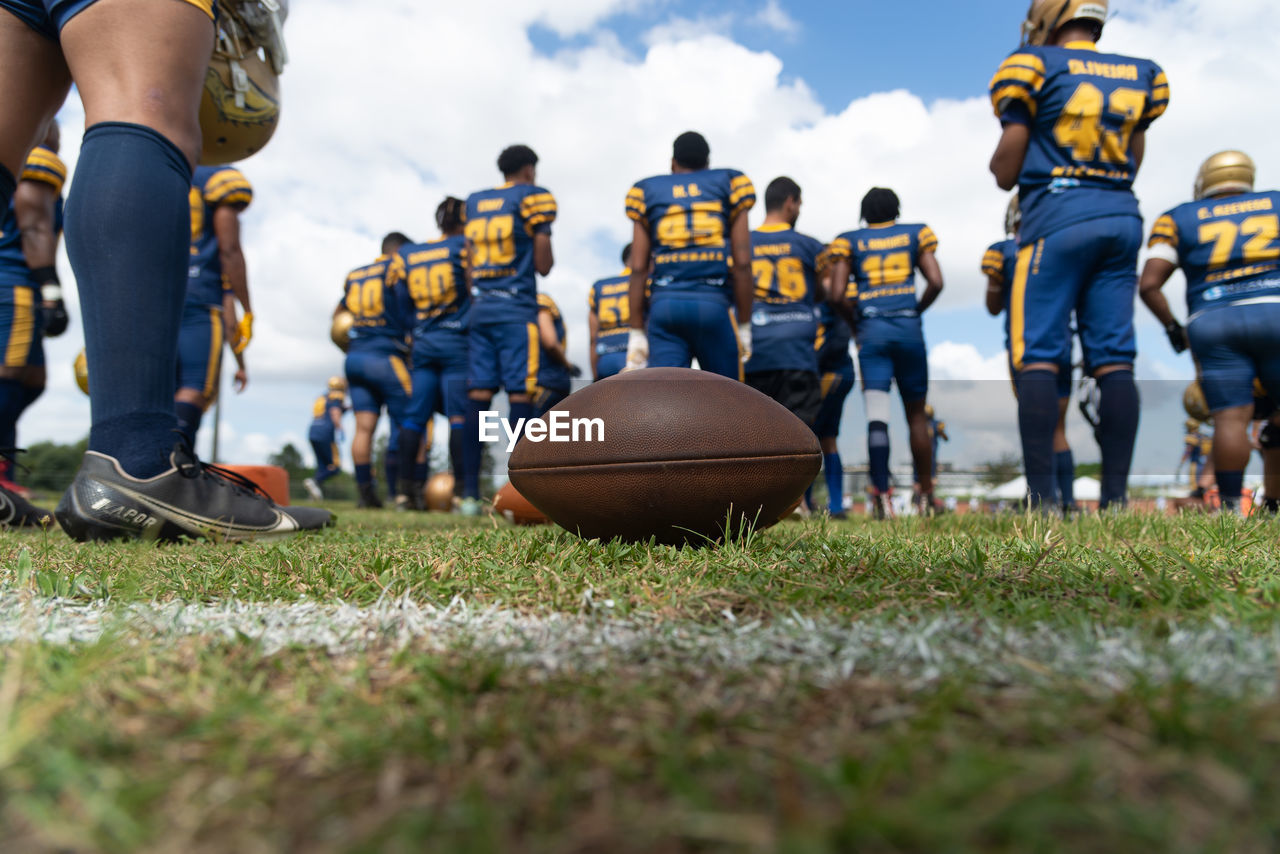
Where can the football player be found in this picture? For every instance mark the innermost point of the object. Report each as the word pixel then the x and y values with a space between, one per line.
pixel 509 229
pixel 836 367
pixel 555 372
pixel 376 371
pixel 216 279
pixel 999 264
pixel 325 433
pixel 787 267
pixel 881 302
pixel 139 68
pixel 609 320
pixel 692 226
pixel 1227 243
pixel 30 308
pixel 937 435
pixel 1074 133
pixel 437 278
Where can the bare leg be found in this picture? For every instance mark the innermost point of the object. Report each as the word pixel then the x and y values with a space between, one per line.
pixel 36 83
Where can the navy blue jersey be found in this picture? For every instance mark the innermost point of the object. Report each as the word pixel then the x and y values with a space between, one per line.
pixel 1082 108
pixel 786 266
pixel 325 405
pixel 832 341
pixel 552 374
pixel 501 224
pixel 44 166
pixel 1228 248
pixel 378 306
pixel 882 260
pixel 211 187
pixel 688 218
pixel 435 275
pixel 609 301
pixel 998 263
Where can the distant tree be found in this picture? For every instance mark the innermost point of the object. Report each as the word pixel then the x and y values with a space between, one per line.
pixel 290 459
pixel 49 466
pixel 1089 469
pixel 1002 470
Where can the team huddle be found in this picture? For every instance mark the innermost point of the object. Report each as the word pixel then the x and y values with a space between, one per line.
pixel 443 325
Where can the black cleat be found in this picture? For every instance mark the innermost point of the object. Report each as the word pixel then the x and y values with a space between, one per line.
pixel 191 499
pixel 18 512
pixel 369 497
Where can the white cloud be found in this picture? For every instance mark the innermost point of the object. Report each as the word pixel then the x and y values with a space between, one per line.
pixel 387 111
pixel 773 17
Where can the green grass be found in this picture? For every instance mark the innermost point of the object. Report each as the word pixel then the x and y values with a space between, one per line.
pixel 133 743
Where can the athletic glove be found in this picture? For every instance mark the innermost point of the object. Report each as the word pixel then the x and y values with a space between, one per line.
pixel 1177 335
pixel 53 312
pixel 574 370
pixel 244 333
pixel 744 341
pixel 637 350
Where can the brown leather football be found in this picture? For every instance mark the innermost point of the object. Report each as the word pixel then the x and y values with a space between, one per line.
pixel 515 508
pixel 683 452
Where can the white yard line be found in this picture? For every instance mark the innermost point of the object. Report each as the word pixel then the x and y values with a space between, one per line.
pixel 1215 656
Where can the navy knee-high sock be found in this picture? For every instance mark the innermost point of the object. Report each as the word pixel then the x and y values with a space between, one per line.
pixel 128 231
pixel 7 186
pixel 833 470
pixel 471 450
pixel 11 406
pixel 1230 486
pixel 1037 417
pixel 878 455
pixel 1117 432
pixel 410 442
pixel 364 474
pixel 189 417
pixel 30 394
pixel 1064 464
pixel 456 434
pixel 391 460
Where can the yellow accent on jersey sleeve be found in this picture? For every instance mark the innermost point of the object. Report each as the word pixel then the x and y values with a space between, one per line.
pixel 1019 78
pixel 840 248
pixel 742 195
pixel 636 208
pixel 228 187
pixel 546 303
pixel 396 271
pixel 928 240
pixel 1164 231
pixel 46 167
pixel 538 209
pixel 993 264
pixel 1159 99
pixel 822 262
pixel 591 299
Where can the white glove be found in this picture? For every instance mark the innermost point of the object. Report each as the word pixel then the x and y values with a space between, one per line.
pixel 637 350
pixel 744 340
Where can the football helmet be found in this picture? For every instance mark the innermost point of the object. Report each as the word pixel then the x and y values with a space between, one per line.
pixel 1225 172
pixel 1046 16
pixel 1012 216
pixel 337 384
pixel 928 410
pixel 81 368
pixel 1192 425
pixel 240 106
pixel 440 492
pixel 1194 403
pixel 340 331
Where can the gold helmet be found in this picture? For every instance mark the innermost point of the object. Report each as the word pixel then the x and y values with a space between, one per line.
pixel 1225 172
pixel 928 410
pixel 1012 216
pixel 1192 425
pixel 340 331
pixel 1194 403
pixel 1046 16
pixel 337 384
pixel 440 492
pixel 240 106
pixel 81 368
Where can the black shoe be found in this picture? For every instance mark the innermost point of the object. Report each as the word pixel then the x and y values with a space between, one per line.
pixel 18 512
pixel 191 499
pixel 369 497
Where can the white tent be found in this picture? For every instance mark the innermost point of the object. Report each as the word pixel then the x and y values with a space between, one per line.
pixel 1087 489
pixel 1011 491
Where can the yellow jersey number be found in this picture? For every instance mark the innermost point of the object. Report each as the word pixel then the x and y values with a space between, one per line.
pixel 891 269
pixel 197 215
pixel 433 287
pixel 701 224
pixel 1079 128
pixel 783 279
pixel 1262 231
pixel 614 312
pixel 493 239
pixel 364 298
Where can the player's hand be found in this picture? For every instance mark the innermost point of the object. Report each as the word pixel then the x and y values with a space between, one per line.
pixel 53 313
pixel 637 350
pixel 574 370
pixel 244 333
pixel 1177 336
pixel 744 341
pixel 241 380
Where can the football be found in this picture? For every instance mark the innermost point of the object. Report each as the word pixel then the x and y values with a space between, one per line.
pixel 666 453
pixel 515 508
